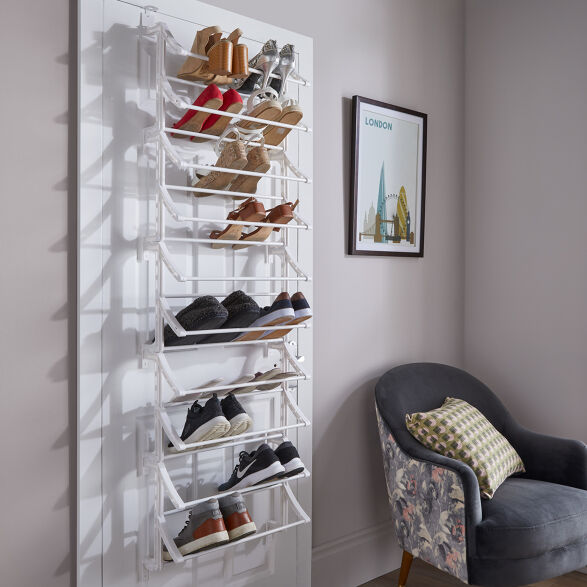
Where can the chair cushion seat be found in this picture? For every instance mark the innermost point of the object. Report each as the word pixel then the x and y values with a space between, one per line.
pixel 526 518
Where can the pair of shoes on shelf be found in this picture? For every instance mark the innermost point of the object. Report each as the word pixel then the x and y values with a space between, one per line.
pixel 226 57
pixel 213 523
pixel 252 210
pixel 234 155
pixel 263 464
pixel 206 313
pixel 204 122
pixel 215 419
pixel 284 311
pixel 269 60
pixel 270 375
pixel 238 310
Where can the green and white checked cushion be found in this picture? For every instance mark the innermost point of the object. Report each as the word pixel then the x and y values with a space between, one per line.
pixel 460 431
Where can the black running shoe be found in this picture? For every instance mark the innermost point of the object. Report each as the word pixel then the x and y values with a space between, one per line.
pixel 253 468
pixel 242 312
pixel 204 313
pixel 290 459
pixel 236 415
pixel 204 423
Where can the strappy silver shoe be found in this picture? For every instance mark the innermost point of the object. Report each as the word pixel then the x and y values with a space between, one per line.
pixel 287 63
pixel 266 60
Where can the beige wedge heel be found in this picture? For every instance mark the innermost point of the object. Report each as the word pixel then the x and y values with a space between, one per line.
pixel 233 156
pixel 291 114
pixel 257 161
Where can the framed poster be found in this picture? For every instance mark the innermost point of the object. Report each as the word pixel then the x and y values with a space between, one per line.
pixel 388 180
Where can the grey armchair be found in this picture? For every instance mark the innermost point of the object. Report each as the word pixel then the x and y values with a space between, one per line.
pixel 534 528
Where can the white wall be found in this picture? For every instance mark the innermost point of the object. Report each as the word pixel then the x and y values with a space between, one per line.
pixel 35 363
pixel 374 313
pixel 526 208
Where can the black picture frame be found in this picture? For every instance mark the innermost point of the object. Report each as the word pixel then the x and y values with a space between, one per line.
pixel 387 240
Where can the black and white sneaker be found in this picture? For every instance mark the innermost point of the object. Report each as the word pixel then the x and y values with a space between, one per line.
pixel 238 419
pixel 290 459
pixel 204 423
pixel 253 468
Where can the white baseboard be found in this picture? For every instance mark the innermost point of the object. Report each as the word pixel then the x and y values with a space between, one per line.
pixel 357 558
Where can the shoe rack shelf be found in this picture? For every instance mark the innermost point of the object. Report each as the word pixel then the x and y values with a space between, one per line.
pixel 159 248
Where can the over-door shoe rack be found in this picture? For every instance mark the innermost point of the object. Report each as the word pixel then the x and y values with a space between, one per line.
pixel 159 248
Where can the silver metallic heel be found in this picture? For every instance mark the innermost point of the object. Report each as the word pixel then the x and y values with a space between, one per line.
pixel 287 63
pixel 267 61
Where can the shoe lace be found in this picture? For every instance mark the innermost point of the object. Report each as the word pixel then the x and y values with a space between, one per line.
pixel 241 456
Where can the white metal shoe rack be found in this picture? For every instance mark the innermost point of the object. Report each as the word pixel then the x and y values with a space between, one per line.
pixel 157 248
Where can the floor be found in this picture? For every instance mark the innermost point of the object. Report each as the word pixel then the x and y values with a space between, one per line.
pixel 424 575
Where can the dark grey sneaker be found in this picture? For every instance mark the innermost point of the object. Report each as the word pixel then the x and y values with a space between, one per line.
pixel 236 517
pixel 280 311
pixel 255 467
pixel 204 422
pixel 242 311
pixel 204 313
pixel 238 419
pixel 290 459
pixel 204 529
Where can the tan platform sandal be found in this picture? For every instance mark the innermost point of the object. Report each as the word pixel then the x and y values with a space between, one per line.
pixel 281 214
pixel 267 109
pixel 233 156
pixel 291 114
pixel 257 161
pixel 250 210
pixel 196 69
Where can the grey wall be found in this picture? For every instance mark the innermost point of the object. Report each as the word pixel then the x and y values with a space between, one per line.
pixel 34 355
pixel 526 207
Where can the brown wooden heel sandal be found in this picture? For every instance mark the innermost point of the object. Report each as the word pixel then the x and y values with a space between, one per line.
pixel 220 55
pixel 250 210
pixel 240 56
pixel 281 214
pixel 233 156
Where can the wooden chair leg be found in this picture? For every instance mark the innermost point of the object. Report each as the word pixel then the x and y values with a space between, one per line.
pixel 407 559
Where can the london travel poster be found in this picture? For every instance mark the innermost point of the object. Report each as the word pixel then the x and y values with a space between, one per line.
pixel 388 183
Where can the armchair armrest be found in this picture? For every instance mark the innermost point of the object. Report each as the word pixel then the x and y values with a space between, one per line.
pixel 548 458
pixel 467 477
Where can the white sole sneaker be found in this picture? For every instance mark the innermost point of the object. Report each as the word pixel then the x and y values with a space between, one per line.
pixel 214 428
pixel 272 470
pixel 294 467
pixel 242 531
pixel 239 424
pixel 205 542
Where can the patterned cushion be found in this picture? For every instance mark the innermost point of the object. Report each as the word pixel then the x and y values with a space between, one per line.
pixel 460 431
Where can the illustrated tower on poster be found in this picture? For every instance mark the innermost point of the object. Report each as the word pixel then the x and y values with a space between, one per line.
pixel 403 213
pixel 381 207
